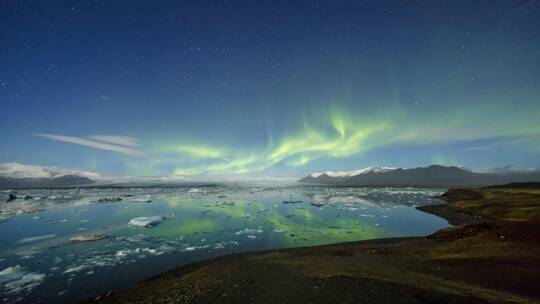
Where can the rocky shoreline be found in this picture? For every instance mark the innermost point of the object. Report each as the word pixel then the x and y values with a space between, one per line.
pixel 492 255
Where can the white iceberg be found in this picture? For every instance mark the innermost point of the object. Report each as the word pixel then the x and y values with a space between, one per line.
pixel 148 222
pixel 279 230
pixel 141 199
pixel 16 279
pixel 248 231
pixel 75 269
pixel 88 238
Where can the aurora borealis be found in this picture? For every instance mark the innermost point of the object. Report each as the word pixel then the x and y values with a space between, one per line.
pixel 278 88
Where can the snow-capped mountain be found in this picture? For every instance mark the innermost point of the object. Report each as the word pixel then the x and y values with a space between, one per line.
pixel 353 172
pixel 432 176
pixel 17 170
pixel 17 176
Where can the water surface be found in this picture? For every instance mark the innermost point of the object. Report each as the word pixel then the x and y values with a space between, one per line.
pixel 39 264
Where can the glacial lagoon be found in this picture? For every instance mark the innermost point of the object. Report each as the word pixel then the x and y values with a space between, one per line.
pixel 71 245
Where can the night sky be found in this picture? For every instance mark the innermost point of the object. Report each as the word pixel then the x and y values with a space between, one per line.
pixel 269 87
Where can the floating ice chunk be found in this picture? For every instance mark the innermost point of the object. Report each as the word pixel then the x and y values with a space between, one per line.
pixel 123 253
pixel 166 248
pixel 278 230
pixel 146 221
pixel 141 199
pixel 88 238
pixel 35 238
pixel 16 279
pixel 75 269
pixel 138 252
pixel 149 250
pixel 248 231
pixel 11 273
pixel 219 245
pixel 193 248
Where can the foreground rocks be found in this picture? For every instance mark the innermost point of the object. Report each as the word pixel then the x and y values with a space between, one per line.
pixel 492 256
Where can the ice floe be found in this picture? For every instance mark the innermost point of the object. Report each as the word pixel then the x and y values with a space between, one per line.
pixel 141 199
pixel 148 222
pixel 88 238
pixel 278 230
pixel 75 269
pixel 16 279
pixel 248 231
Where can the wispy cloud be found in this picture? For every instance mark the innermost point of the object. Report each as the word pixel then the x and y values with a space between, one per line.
pixel 116 139
pixel 96 144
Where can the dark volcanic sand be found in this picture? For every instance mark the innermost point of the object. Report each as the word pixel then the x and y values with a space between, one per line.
pixel 492 257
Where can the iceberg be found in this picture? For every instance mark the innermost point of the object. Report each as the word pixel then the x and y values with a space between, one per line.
pixel 75 269
pixel 142 199
pixel 248 231
pixel 279 230
pixel 16 279
pixel 146 221
pixel 88 238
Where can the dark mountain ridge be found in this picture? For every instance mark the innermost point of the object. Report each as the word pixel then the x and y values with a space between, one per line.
pixel 50 182
pixel 432 176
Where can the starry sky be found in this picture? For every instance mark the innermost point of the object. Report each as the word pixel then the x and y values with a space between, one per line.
pixel 269 87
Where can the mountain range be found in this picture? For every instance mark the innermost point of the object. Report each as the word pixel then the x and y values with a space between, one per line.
pixel 21 176
pixel 431 176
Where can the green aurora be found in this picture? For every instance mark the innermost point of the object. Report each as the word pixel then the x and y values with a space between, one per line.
pixel 338 134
